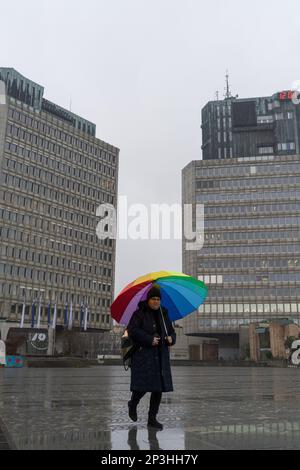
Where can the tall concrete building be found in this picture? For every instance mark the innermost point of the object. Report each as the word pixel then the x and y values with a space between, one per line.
pixel 249 184
pixel 54 173
pixel 252 126
pixel 251 254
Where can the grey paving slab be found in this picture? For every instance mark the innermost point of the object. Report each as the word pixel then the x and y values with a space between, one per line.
pixel 211 408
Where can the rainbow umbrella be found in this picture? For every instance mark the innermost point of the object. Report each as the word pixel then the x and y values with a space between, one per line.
pixel 180 294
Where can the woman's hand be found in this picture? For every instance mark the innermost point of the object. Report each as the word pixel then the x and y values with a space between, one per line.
pixel 155 341
pixel 169 339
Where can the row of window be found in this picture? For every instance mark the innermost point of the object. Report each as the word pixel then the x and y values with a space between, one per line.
pixel 281 116
pixel 41 190
pixel 248 196
pixel 224 109
pixel 226 123
pixel 283 235
pixel 247 182
pixel 92 317
pixel 38 206
pixel 53 278
pixel 49 176
pixel 44 225
pixel 267 119
pixel 250 249
pixel 68 184
pixel 286 146
pixel 256 209
pixel 242 308
pixel 249 263
pixel 61 135
pixel 232 322
pixel 250 292
pixel 39 223
pixel 252 222
pixel 51 260
pixel 250 278
pixel 247 170
pixel 224 152
pixel 265 150
pixel 28 238
pixel 43 209
pixel 226 136
pixel 60 297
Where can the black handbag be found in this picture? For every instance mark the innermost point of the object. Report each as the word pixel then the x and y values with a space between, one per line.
pixel 127 349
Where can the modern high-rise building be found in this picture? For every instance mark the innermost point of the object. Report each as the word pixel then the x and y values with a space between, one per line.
pixel 54 173
pixel 249 184
pixel 250 260
pixel 252 126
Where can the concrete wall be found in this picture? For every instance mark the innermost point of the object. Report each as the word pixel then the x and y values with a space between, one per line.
pixel 182 348
pixel 277 340
pixel 278 334
pixel 253 343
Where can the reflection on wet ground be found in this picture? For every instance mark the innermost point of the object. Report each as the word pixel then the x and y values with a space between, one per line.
pixel 3 439
pixel 211 408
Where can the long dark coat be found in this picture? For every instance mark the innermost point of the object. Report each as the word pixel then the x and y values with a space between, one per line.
pixel 150 365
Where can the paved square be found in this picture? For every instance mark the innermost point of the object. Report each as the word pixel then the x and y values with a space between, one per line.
pixel 211 408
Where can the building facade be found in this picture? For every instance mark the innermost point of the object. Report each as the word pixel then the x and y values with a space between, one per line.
pixel 250 259
pixel 252 126
pixel 54 173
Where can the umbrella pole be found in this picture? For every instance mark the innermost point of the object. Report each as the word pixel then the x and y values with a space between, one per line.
pixel 163 321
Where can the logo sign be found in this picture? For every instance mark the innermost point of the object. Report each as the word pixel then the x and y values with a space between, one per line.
pixel 2 353
pixel 37 342
pixel 295 356
pixel 286 95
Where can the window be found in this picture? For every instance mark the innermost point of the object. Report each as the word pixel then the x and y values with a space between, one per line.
pixel 263 150
pixel 278 116
pixel 264 119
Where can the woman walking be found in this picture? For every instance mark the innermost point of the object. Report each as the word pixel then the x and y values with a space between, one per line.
pixel 152 332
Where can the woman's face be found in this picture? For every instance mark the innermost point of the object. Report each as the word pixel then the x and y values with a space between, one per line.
pixel 154 303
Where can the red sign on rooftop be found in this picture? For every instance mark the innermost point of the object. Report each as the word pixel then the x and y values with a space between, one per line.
pixel 286 95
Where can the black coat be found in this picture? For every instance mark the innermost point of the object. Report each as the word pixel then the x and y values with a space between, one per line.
pixel 150 365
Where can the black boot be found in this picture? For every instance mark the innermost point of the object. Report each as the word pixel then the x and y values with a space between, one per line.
pixel 152 421
pixel 132 411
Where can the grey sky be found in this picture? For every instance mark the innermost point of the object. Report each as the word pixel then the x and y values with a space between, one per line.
pixel 142 71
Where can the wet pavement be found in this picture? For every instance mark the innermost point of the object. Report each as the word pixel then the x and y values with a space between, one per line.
pixel 3 440
pixel 211 408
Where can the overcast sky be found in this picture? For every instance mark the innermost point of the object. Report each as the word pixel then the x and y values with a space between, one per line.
pixel 142 70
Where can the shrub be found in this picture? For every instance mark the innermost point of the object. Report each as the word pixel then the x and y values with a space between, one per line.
pixel 289 341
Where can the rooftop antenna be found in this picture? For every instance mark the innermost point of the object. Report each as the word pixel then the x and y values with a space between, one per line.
pixel 227 89
pixel 70 103
pixel 217 95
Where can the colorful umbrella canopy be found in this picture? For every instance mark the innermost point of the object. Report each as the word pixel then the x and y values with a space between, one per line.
pixel 180 294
